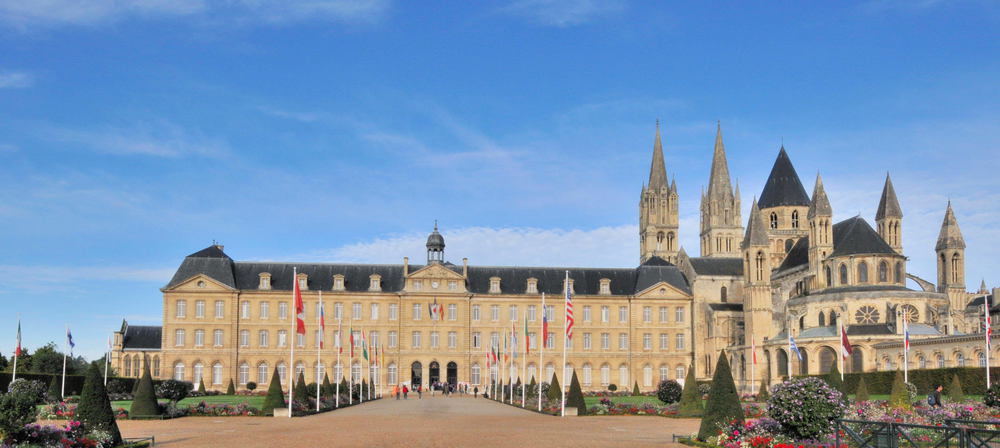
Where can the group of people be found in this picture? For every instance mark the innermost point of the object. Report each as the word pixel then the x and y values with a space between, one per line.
pixel 403 390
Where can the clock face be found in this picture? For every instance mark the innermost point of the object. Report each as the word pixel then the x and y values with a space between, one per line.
pixel 434 284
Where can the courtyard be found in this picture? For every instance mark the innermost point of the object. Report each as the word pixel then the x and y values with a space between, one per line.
pixel 429 422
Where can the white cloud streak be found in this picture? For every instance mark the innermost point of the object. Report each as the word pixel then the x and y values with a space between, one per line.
pixel 564 13
pixel 157 139
pixel 16 80
pixel 49 279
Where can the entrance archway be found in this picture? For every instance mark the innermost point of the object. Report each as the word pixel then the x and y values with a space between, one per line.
pixel 416 373
pixel 434 375
pixel 452 373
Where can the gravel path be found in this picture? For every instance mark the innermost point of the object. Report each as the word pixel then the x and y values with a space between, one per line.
pixel 430 422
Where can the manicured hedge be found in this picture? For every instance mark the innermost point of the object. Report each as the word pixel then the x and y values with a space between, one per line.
pixel 973 380
pixel 74 383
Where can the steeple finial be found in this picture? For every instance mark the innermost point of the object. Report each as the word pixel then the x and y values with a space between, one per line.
pixel 657 168
pixel 820 205
pixel 888 205
pixel 950 236
pixel 719 185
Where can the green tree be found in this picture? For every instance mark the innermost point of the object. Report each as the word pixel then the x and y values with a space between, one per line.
pixel 3 362
pixel 144 402
pixel 955 393
pixel 899 398
pixel 762 391
pixel 275 398
pixel 723 402
pixel 326 388
pixel 55 389
pixel 47 360
pixel 555 390
pixel 690 405
pixel 344 389
pixel 833 379
pixel 231 389
pixel 94 409
pixel 300 393
pixel 862 393
pixel 201 385
pixel 635 389
pixel 16 410
pixel 575 396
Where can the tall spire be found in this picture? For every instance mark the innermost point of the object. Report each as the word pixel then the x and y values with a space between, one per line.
pixel 719 185
pixel 820 205
pixel 950 236
pixel 756 231
pixel 657 169
pixel 783 187
pixel 888 206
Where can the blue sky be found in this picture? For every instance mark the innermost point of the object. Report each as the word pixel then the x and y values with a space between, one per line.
pixel 133 133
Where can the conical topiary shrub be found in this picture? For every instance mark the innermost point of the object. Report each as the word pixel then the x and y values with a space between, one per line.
pixel 345 389
pixel 555 389
pixel 326 388
pixel 301 394
pixel 690 405
pixel 55 389
pixel 201 385
pixel 833 379
pixel 575 396
pixel 723 404
pixel 275 398
pixel 144 403
pixel 94 409
pixel 635 389
pixel 532 387
pixel 954 392
pixel 762 391
pixel 231 389
pixel 899 398
pixel 862 393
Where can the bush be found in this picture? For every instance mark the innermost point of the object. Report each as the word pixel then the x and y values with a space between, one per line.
pixel 555 390
pixel 34 389
pixel 55 392
pixel 690 397
pixel 612 387
pixel 723 402
pixel 954 392
pixel 119 386
pixel 635 389
pixel 862 393
pixel 911 392
pixel 145 403
pixel 575 396
pixel 231 389
pixel 704 389
pixel 201 385
pixel 173 390
pixel 805 407
pixel 16 410
pixel 973 379
pixel 762 392
pixel 900 397
pixel 275 398
pixel 327 388
pixel 668 391
pixel 992 397
pixel 251 386
pixel 833 379
pixel 95 410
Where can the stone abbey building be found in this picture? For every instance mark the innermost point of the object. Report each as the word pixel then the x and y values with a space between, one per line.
pixel 791 270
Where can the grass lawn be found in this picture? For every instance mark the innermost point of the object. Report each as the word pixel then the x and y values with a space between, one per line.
pixel 254 401
pixel 923 397
pixel 634 399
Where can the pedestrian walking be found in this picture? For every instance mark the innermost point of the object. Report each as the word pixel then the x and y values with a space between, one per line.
pixel 395 391
pixel 406 392
pixel 420 391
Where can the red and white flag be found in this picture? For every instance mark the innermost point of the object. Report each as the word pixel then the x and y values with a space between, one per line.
pixel 989 325
pixel 17 350
pixel 845 345
pixel 569 308
pixel 753 349
pixel 300 312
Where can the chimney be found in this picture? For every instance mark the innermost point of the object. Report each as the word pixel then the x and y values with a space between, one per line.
pixel 406 266
pixel 465 267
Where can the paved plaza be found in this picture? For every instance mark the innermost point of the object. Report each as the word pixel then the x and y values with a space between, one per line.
pixel 430 422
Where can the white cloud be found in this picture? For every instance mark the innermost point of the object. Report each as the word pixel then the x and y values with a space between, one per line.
pixel 47 279
pixel 16 80
pixel 522 246
pixel 24 14
pixel 564 13
pixel 159 139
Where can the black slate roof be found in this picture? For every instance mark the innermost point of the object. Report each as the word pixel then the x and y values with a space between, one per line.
pixel 865 288
pixel 798 255
pixel 726 306
pixel 717 266
pixel 874 329
pixel 854 236
pixel 783 186
pixel 246 275
pixel 138 337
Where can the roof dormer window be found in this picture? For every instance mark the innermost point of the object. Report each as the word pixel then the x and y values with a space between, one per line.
pixel 568 284
pixel 303 282
pixel 338 282
pixel 265 281
pixel 494 285
pixel 375 282
pixel 605 286
pixel 532 286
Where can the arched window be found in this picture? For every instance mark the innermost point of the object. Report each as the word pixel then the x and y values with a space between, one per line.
pixel 982 359
pixel 679 372
pixel 659 240
pixel 670 241
pixel 262 374
pixel 774 220
pixel 244 376
pixel 338 372
pixel 199 369
pixel 760 266
pixel 549 371
pixel 356 372
pixel 179 371
pixel 587 374
pixel 664 372
pixel 128 366
pixel 862 272
pixel 802 323
pixel 940 361
pixel 723 294
pixel 319 370
pixel 883 272
pixel 822 319
pixel 959 360
pixel 899 272
pixel 857 360
pixel 217 373
pixel 647 375
pixel 843 274
pixel 833 319
pixel 623 375
pixel 605 374
pixel 283 373
pixel 955 259
pixel 795 219
pixel 156 366
pixel 829 276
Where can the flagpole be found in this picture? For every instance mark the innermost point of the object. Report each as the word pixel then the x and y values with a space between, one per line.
pixel 17 351
pixel 906 349
pixel 340 348
pixel 562 389
pixel 361 392
pixel 524 363
pixel 319 350
pixel 291 343
pixel 988 330
pixel 541 348
pixel 753 360
pixel 789 357
pixel 840 330
pixel 63 390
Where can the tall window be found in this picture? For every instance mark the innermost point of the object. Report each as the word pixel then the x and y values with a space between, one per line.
pixel 862 272
pixel 586 374
pixel 623 314
pixel 605 314
pixel 244 376
pixel 392 374
pixel 647 341
pixel 724 294
pixel 338 310
pixel 415 340
pixel 586 313
pixel 416 311
pixel 622 341
pixel 245 310
pixel 550 340
pixel 265 310
pixel 623 374
pixel 199 309
pixel 179 371
pixel 679 314
pixel 355 311
pixel 680 341
pixel 217 338
pixel 199 369
pixel 531 313
pixel 760 266
pixel 181 309
pixel 392 339
pixel 179 338
pixel 262 373
pixel 282 310
pixel 647 314
pixel 843 274
pixel 374 311
pixel 883 272
pixel 664 341
pixel 494 312
pixel 476 342
pixel 476 374
pixel 829 276
pixel 513 313
pixel 452 311
pixel 586 341
pixel 262 338
pixel 199 338
pixel 774 220
pixel 220 309
pixel 434 339
pixel 899 272
pixel 605 375
pixel 282 338
pixel 452 339
pixel 244 338
pixel 605 341
pixel 795 219
pixel 393 311
pixel 217 373
pixel 475 312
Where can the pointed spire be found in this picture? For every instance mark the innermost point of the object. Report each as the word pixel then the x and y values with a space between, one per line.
pixel 950 236
pixel 682 254
pixel 820 205
pixel 719 186
pixel 673 185
pixel 783 186
pixel 756 234
pixel 737 193
pixel 888 206
pixel 982 287
pixel 657 169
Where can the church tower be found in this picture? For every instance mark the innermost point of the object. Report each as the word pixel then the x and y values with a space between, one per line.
pixel 757 308
pixel 783 205
pixel 889 217
pixel 721 226
pixel 950 250
pixel 820 235
pixel 658 216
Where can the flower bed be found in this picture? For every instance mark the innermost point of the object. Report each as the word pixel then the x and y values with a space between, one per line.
pixel 73 435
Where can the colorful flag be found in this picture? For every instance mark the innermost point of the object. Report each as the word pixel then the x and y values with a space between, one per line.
pixel 322 325
pixel 906 334
pixel 17 351
pixel 793 347
pixel 845 346
pixel 753 349
pixel 527 338
pixel 545 325
pixel 69 340
pixel 989 325
pixel 340 336
pixel 434 309
pixel 364 346
pixel 513 340
pixel 569 309
pixel 300 312
pixel 351 341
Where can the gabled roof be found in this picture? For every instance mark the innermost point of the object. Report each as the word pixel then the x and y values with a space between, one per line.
pixel 888 205
pixel 210 261
pixel 798 255
pixel 783 186
pixel 137 337
pixel 717 266
pixel 854 236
